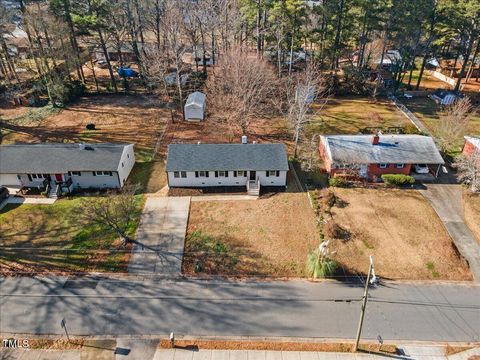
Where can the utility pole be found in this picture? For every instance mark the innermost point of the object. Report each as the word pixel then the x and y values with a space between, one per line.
pixel 364 300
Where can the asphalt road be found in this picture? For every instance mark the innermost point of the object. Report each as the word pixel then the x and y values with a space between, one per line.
pixel 441 312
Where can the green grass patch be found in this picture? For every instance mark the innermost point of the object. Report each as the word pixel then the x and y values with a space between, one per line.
pixel 39 238
pixel 431 266
pixel 367 244
pixel 35 115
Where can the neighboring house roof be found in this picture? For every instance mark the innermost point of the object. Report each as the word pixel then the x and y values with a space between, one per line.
pixel 211 157
pixel 392 149
pixel 474 140
pixel 50 158
pixel 196 98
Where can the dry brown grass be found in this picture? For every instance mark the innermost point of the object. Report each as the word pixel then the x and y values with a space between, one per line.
pixel 56 344
pixel 275 346
pixel 452 350
pixel 471 207
pixel 269 236
pixel 401 230
pixel 137 119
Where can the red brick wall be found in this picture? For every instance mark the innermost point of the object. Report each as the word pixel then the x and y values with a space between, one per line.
pixel 323 154
pixel 468 148
pixel 374 170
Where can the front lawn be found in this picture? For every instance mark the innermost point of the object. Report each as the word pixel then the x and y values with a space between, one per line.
pixel 400 229
pixel 270 236
pixel 350 115
pixel 38 238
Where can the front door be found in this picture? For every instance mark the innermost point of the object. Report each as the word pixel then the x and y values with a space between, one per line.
pixel 253 175
pixel 58 177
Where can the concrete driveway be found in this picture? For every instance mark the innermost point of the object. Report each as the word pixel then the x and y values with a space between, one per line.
pixel 161 236
pixel 446 199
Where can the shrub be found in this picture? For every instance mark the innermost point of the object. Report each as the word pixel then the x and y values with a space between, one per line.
pixel 337 182
pixel 334 231
pixel 397 179
pixel 320 268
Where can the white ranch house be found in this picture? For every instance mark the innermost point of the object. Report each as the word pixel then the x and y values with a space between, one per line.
pixel 209 165
pixel 195 107
pixel 55 167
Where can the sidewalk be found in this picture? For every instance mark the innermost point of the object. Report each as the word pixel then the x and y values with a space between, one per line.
pixel 147 350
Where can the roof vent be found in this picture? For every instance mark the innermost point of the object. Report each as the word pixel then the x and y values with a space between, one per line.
pixel 254 142
pixel 199 142
pixel 244 139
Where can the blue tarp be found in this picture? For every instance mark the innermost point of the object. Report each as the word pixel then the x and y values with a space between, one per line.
pixel 127 72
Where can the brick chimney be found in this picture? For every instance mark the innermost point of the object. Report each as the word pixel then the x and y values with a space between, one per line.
pixel 375 139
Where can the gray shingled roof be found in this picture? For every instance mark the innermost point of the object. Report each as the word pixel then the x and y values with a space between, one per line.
pixel 211 157
pixel 59 158
pixel 392 149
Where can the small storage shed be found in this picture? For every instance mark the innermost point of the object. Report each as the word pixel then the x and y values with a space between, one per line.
pixel 195 107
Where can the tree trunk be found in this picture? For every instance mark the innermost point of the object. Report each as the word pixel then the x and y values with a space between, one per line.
pixel 107 59
pixel 73 39
pixel 9 61
pixel 259 17
pixel 466 56
pixel 23 10
pixel 338 32
pixel 472 65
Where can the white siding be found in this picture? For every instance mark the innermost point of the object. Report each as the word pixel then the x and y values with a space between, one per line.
pixel 128 161
pixel 192 181
pixel 88 180
pixel 9 179
pixel 194 112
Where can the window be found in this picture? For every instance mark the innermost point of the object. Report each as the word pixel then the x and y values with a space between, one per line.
pixel 382 166
pixel 201 174
pixel 272 173
pixel 176 174
pixel 399 166
pixel 102 173
pixel 128 156
pixel 183 174
pixel 239 173
pixel 221 173
pixel 38 176
pixel 122 164
pixel 74 173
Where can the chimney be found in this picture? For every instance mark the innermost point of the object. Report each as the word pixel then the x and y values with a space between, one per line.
pixel 375 139
pixel 244 139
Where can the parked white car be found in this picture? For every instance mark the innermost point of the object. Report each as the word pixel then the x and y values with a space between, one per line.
pixel 421 168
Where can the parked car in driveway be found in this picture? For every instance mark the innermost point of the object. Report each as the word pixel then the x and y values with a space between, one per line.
pixel 421 168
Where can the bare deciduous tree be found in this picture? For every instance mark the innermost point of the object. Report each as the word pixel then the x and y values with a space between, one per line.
pixel 115 211
pixel 468 167
pixel 309 87
pixel 453 123
pixel 241 88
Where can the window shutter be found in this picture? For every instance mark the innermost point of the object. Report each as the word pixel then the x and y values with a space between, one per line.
pixel 196 173
pixel 278 173
pixel 79 173
pixel 29 177
pixel 226 173
pixel 216 173
pixel 267 173
pixel 235 173
pixel 207 172
pixel 94 173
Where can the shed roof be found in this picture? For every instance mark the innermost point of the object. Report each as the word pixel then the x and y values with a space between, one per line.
pixel 211 157
pixel 59 158
pixel 196 98
pixel 392 149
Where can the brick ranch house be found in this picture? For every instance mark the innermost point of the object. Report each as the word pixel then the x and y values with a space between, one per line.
pixel 56 167
pixel 227 165
pixel 471 145
pixel 370 156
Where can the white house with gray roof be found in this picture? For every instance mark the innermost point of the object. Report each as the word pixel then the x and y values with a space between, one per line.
pixel 56 167
pixel 209 165
pixel 370 156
